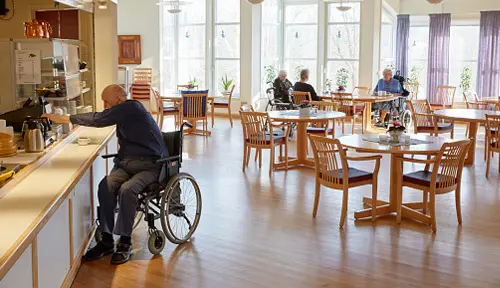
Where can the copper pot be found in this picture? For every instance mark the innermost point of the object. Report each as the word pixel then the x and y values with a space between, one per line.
pixel 33 29
pixel 47 29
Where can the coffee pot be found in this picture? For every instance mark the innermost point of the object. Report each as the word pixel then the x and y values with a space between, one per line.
pixel 34 135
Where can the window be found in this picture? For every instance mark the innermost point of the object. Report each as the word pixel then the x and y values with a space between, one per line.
pixel 418 49
pixel 342 59
pixel 226 43
pixel 464 47
pixel 301 40
pixel 387 41
pixel 270 55
pixel 183 47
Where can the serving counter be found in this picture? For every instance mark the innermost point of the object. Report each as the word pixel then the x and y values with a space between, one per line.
pixel 47 212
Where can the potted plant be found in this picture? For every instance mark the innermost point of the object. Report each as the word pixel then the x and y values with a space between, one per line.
pixel 269 74
pixel 465 78
pixel 342 78
pixel 191 83
pixel 226 85
pixel 395 131
pixel 304 108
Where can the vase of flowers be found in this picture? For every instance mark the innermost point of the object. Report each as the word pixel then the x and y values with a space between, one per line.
pixel 191 83
pixel 304 108
pixel 341 88
pixel 395 131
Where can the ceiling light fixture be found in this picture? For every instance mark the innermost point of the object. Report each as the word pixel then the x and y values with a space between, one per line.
pixel 435 1
pixel 255 1
pixel 343 8
pixel 174 6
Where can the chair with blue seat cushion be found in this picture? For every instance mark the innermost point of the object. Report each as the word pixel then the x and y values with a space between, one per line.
pixel 194 109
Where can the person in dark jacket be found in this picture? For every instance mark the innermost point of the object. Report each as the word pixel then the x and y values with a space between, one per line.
pixel 141 142
pixel 302 86
pixel 282 87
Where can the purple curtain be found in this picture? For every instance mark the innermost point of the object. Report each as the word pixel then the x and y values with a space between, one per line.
pixel 439 53
pixel 402 34
pixel 488 65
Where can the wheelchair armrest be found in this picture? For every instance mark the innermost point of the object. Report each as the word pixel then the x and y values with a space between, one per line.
pixel 168 159
pixel 109 156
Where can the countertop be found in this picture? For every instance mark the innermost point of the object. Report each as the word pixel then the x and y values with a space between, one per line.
pixel 27 204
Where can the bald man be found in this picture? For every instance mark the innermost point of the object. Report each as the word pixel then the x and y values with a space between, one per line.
pixel 141 142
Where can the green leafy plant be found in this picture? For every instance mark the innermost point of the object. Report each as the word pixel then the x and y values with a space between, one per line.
pixel 342 76
pixel 415 73
pixel 226 83
pixel 269 73
pixel 297 72
pixel 192 81
pixel 465 78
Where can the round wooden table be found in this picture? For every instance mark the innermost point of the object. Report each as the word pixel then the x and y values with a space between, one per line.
pixel 364 144
pixel 293 116
pixel 473 118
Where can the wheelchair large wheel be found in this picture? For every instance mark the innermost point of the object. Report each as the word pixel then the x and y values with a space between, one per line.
pixel 181 208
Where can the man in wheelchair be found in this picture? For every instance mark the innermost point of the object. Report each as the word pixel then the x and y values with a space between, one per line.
pixel 141 144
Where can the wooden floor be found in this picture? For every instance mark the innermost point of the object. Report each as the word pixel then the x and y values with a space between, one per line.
pixel 259 232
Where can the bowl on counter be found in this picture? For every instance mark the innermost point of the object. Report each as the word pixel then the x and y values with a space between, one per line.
pixel 82 141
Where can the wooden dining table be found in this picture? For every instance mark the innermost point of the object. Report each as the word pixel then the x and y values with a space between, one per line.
pixel 421 145
pixel 293 116
pixel 210 99
pixel 473 118
pixel 367 99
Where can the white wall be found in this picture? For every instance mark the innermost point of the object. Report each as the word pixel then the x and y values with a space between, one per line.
pixel 395 4
pixel 421 7
pixel 142 17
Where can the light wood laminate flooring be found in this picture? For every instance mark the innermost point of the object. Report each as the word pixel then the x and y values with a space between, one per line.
pixel 258 231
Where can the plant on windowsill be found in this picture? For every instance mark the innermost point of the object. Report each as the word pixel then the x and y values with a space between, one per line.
pixel 269 74
pixel 465 78
pixel 226 85
pixel 342 78
pixel 191 83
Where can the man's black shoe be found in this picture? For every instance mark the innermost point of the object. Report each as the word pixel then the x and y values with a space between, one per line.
pixel 122 254
pixel 99 251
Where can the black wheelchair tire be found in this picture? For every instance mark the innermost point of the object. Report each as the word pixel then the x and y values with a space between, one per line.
pixel 164 213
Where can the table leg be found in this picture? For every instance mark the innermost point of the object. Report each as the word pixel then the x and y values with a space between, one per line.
pixel 212 107
pixel 301 160
pixel 367 121
pixel 471 154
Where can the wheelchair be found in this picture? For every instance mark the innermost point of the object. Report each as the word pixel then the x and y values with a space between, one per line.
pixel 175 199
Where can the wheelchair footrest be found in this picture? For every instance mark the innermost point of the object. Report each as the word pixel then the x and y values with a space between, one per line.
pixel 151 220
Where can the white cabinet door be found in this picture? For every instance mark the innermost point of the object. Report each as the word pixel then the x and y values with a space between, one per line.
pixel 53 249
pixel 81 209
pixel 112 149
pixel 21 274
pixel 99 172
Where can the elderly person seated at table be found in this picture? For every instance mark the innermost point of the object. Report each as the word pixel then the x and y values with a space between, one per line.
pixel 282 87
pixel 302 86
pixel 389 85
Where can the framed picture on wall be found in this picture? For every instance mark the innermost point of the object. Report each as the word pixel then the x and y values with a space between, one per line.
pixel 129 49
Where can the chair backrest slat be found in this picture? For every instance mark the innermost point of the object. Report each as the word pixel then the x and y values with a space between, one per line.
pixel 445 95
pixel 361 90
pixel 417 107
pixel 143 75
pixel 412 88
pixel 329 158
pixel 493 131
pixel 449 164
pixel 254 130
pixel 194 106
pixel 299 97
pixel 344 102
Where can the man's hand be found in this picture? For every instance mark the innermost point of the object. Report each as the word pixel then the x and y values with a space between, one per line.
pixel 57 118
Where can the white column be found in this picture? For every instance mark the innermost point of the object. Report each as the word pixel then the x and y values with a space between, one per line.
pixel 106 50
pixel 369 50
pixel 250 52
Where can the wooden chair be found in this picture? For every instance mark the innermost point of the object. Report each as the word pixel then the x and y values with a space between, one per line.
pixel 412 88
pixel 333 171
pixel 165 110
pixel 473 102
pixel 425 121
pixel 246 108
pixel 185 86
pixel 226 104
pixel 492 140
pixel 445 177
pixel 352 110
pixel 143 75
pixel 194 109
pixel 299 97
pixel 256 136
pixel 445 95
pixel 361 90
pixel 322 128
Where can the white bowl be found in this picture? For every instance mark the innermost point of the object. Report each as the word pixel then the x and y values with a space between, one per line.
pixel 84 141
